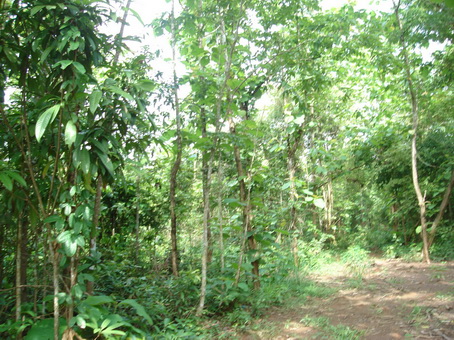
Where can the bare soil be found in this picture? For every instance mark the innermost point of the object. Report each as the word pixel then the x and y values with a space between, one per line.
pixel 391 300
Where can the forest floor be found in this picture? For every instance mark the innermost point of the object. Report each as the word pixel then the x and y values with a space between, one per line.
pixel 390 299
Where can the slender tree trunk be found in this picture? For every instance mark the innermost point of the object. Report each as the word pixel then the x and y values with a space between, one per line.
pixel 247 210
pixel 207 169
pixel 94 228
pixel 177 162
pixel 414 150
pixel 19 268
pixel 121 33
pixel 443 205
pixel 55 258
pixel 220 216
pixel 137 223
pixel 329 202
pixel 69 332
pixel 2 253
pixel 291 166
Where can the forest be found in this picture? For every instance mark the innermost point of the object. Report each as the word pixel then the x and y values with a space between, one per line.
pixel 182 190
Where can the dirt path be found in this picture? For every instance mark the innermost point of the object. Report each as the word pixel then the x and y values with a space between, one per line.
pixel 392 300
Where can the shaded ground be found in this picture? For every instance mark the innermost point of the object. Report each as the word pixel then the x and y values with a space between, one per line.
pixel 390 300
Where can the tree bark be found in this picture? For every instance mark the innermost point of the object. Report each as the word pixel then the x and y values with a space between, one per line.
pixel 122 29
pixel 2 253
pixel 414 151
pixel 137 223
pixel 207 169
pixel 94 228
pixel 220 216
pixel 291 166
pixel 55 258
pixel 19 270
pixel 443 205
pixel 247 210
pixel 177 162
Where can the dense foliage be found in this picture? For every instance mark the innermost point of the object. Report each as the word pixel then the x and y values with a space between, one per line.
pixel 135 198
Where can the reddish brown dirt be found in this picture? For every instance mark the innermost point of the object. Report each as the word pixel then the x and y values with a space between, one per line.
pixel 393 300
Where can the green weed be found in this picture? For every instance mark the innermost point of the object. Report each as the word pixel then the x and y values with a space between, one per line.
pixel 419 315
pixel 329 331
pixel 357 260
pixel 438 273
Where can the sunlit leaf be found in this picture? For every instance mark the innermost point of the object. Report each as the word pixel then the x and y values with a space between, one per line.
pixel 139 309
pixel 94 99
pixel 45 119
pixel 319 203
pixel 7 182
pixel 70 133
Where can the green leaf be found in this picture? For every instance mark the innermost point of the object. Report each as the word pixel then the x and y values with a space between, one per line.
pixel 139 309
pixel 45 54
pixel 205 61
pixel 286 185
pixel 7 182
pixel 44 330
pixel 146 85
pixel 63 63
pixel 79 67
pixel 84 160
pixel 319 203
pixel 98 300
pixel 243 286
pixel 450 3
pixel 70 133
pixel 79 320
pixel 282 231
pixel 120 92
pixel 233 202
pixel 64 236
pixel 418 229
pixel 36 9
pixel 45 119
pixel 53 219
pixel 107 163
pixel 95 97
pixel 15 176
pixel 137 16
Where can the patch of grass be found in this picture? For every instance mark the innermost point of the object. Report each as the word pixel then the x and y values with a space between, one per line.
pixel 357 260
pixel 419 315
pixel 329 331
pixel 355 282
pixel 447 296
pixel 394 281
pixel 438 273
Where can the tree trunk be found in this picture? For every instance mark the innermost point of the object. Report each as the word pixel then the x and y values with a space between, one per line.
pixel 414 150
pixel 443 205
pixel 207 169
pixel 329 202
pixel 220 216
pixel 119 38
pixel 19 267
pixel 137 223
pixel 291 165
pixel 177 162
pixel 247 210
pixel 2 253
pixel 55 258
pixel 94 228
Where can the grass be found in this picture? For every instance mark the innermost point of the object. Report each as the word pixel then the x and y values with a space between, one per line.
pixel 447 296
pixel 438 273
pixel 419 315
pixel 395 281
pixel 328 331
